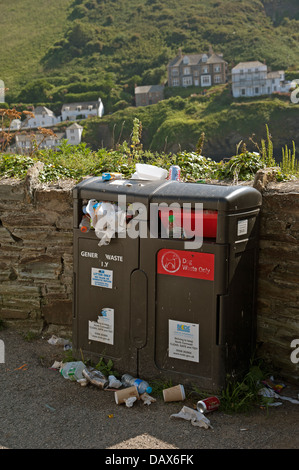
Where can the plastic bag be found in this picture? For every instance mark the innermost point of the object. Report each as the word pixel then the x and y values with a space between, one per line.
pixel 196 417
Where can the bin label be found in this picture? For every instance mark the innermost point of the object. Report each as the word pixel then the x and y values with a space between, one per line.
pixel 242 227
pixel 183 340
pixel 186 264
pixel 102 330
pixel 101 277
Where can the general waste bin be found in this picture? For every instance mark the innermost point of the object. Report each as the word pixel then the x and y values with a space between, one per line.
pixel 159 309
pixel 104 277
pixel 201 316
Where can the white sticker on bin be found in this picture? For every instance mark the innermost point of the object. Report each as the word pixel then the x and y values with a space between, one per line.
pixel 242 227
pixel 183 340
pixel 102 277
pixel 102 330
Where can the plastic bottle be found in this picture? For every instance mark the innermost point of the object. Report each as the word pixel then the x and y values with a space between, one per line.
pixel 141 385
pixel 85 224
pixel 73 370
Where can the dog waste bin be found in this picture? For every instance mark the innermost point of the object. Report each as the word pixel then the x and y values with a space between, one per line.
pixel 107 279
pixel 200 301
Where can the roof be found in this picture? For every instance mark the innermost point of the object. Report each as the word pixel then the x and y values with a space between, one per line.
pixel 75 126
pixel 84 105
pixel 250 64
pixel 196 59
pixel 275 74
pixel 43 110
pixel 149 88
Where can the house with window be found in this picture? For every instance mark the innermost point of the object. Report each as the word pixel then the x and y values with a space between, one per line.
pixel 25 141
pixel 251 79
pixel 150 94
pixel 43 117
pixel 202 70
pixel 84 110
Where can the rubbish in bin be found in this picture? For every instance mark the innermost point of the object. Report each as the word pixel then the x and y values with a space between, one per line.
pixel 95 377
pixel 147 399
pixel 122 395
pixel 176 393
pixel 149 172
pixel 174 173
pixel 196 417
pixel 111 176
pixel 73 370
pixel 114 382
pixel 85 224
pixel 208 404
pixel 110 220
pixel 141 385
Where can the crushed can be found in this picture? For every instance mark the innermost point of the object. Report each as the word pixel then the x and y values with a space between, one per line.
pixel 208 404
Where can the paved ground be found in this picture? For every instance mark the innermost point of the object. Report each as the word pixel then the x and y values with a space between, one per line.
pixel 39 409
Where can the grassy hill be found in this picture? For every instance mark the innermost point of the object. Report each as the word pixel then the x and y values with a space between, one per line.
pixel 75 50
pixel 177 124
pixel 87 42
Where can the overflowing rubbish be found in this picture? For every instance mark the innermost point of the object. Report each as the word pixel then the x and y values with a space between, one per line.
pixel 176 393
pixel 174 173
pixel 95 377
pixel 208 404
pixel 73 370
pixel 55 340
pixel 149 172
pixel 147 399
pixel 196 417
pixel 141 385
pixel 105 218
pixel 121 396
pixel 114 382
pixel 270 393
pixel 111 176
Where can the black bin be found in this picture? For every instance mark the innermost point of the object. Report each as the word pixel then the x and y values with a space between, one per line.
pixel 201 317
pixel 103 324
pixel 161 309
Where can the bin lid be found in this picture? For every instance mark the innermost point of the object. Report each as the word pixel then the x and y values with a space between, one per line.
pixel 134 190
pixel 212 196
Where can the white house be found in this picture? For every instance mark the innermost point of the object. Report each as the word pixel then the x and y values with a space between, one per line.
pixel 43 117
pixel 24 142
pixel 74 134
pixel 253 79
pixel 71 111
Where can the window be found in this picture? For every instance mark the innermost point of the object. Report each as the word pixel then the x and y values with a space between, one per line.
pixel 217 68
pixel 217 79
pixel 186 71
pixel 206 80
pixel 174 72
pixel 187 81
pixel 256 90
pixel 205 69
pixel 175 82
pixel 243 91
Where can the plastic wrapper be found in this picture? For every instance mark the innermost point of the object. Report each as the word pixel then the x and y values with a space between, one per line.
pixel 196 417
pixel 107 220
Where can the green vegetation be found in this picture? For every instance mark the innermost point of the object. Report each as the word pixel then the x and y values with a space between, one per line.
pixel 79 161
pixel 64 49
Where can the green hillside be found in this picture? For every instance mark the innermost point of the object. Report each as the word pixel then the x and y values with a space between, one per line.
pixel 72 42
pixel 76 50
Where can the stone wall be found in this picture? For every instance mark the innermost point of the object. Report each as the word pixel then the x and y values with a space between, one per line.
pixel 36 263
pixel 36 254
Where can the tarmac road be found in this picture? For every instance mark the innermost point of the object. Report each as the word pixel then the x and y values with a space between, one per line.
pixel 39 409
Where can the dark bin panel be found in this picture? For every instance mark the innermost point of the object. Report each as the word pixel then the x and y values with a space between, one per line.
pixel 103 282
pixel 201 303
